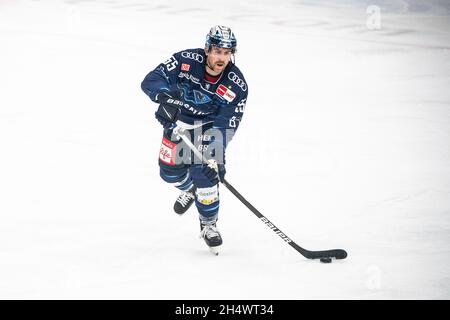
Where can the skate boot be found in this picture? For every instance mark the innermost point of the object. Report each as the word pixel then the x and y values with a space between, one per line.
pixel 210 234
pixel 184 201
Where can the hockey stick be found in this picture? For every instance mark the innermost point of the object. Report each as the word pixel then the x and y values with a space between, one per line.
pixel 326 255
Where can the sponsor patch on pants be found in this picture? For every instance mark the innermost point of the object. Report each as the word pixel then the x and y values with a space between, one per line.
pixel 207 196
pixel 167 152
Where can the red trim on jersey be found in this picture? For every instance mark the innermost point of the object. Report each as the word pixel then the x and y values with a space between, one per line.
pixel 212 79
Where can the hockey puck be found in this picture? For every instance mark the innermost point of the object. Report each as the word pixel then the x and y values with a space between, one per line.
pixel 325 260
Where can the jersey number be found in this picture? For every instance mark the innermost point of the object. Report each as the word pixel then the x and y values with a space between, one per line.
pixel 240 106
pixel 233 121
pixel 171 63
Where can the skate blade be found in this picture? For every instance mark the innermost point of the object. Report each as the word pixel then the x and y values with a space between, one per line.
pixel 214 250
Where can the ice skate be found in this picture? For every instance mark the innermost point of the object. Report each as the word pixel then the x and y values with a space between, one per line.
pixel 211 235
pixel 184 201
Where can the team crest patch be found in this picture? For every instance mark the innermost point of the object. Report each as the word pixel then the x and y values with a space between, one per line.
pixel 201 98
pixel 225 93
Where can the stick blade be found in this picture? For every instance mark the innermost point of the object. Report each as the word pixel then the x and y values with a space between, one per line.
pixel 338 254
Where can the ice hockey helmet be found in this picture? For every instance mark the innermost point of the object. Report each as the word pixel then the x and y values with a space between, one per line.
pixel 221 37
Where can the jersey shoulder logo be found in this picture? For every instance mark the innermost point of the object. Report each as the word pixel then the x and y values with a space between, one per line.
pixel 237 80
pixel 192 56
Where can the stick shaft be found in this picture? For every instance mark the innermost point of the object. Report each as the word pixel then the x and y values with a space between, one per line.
pixel 336 253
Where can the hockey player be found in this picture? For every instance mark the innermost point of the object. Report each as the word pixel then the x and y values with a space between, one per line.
pixel 203 92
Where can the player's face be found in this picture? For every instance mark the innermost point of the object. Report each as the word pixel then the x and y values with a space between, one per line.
pixel 218 58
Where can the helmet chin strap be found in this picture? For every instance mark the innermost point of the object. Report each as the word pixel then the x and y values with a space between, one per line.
pixel 209 66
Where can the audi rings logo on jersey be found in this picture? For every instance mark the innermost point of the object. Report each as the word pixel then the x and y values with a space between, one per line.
pixel 193 56
pixel 233 77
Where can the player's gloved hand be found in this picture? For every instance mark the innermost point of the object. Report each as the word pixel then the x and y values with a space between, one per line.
pixel 214 172
pixel 169 108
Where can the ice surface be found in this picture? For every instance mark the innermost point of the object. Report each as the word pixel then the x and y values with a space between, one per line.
pixel 358 156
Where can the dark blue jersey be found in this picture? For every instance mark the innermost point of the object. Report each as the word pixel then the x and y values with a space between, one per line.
pixel 220 105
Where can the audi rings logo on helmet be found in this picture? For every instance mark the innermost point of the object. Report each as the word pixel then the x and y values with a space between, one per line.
pixel 234 77
pixel 193 56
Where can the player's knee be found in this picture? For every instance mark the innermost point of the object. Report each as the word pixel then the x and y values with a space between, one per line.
pixel 173 175
pixel 199 178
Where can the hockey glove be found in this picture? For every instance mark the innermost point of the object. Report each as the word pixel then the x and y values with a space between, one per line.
pixel 167 115
pixel 214 172
pixel 169 108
